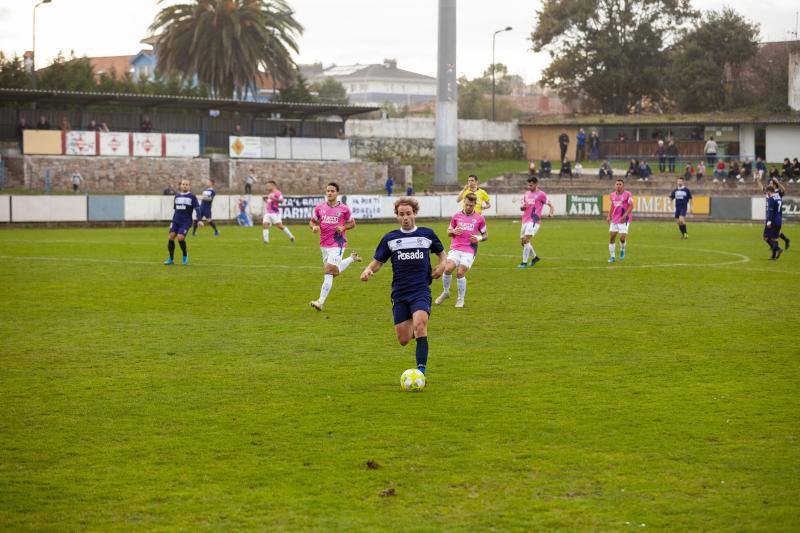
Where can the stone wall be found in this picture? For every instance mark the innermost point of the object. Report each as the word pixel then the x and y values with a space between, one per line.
pixel 383 148
pixel 111 174
pixel 304 177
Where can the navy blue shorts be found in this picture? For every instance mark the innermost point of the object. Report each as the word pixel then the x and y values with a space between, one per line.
pixel 204 211
pixel 403 308
pixel 772 233
pixel 680 212
pixel 180 228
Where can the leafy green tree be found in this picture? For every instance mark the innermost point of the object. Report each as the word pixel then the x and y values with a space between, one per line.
pixel 708 63
pixel 331 91
pixel 68 74
pixel 298 92
pixel 13 74
pixel 611 53
pixel 226 42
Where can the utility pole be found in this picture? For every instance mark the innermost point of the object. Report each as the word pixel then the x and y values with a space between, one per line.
pixel 446 98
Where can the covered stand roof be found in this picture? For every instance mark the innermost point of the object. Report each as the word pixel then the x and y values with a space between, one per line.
pixel 286 109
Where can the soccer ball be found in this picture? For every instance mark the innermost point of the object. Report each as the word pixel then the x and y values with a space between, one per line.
pixel 412 380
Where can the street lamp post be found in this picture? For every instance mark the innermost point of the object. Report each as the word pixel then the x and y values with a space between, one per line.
pixel 494 35
pixel 33 49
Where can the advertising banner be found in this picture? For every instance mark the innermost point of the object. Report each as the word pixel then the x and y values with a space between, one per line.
pixel 182 144
pixel 147 144
pixel 791 207
pixel 80 143
pixel 115 143
pixel 244 147
pixel 41 142
pixel 662 205
pixel 299 207
pixel 364 206
pixel 584 205
pixel 268 147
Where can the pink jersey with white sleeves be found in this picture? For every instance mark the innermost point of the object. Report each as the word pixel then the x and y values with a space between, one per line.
pixel 534 202
pixel 329 218
pixel 619 204
pixel 473 224
pixel 273 201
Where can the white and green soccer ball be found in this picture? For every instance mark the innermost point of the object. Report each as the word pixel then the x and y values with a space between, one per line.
pixel 412 380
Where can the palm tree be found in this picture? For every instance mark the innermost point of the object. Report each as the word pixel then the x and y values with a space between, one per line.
pixel 225 43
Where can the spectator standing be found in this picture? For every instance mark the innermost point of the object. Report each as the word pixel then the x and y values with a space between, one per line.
pixel 43 123
pixel 661 153
pixel 580 145
pixel 796 170
pixel 410 189
pixel 76 181
pixel 146 126
pixel 621 136
pixel 22 125
pixel 531 168
pixel 65 125
pixel 389 186
pixel 761 170
pixel 93 126
pixel 701 170
pixel 103 127
pixel 169 190
pixel 710 149
pixel 672 155
pixel 563 144
pixel 340 134
pixel 249 181
pixel 237 130
pixel 594 146
pixel 605 170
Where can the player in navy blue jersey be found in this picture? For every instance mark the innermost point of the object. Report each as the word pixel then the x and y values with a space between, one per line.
pixel 410 249
pixel 780 190
pixel 204 212
pixel 184 204
pixel 681 196
pixel 772 228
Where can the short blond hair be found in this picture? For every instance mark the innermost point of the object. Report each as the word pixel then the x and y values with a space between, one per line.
pixel 407 201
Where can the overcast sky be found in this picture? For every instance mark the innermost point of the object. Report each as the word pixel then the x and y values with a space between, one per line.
pixel 337 31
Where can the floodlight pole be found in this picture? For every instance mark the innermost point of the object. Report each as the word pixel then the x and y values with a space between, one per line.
pixel 33 49
pixel 446 97
pixel 494 35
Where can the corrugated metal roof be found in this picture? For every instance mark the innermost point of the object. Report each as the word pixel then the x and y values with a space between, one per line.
pixel 732 118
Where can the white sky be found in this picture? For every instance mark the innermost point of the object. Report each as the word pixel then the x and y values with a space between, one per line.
pixel 337 31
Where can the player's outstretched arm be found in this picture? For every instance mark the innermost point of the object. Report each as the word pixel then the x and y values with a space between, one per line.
pixel 372 267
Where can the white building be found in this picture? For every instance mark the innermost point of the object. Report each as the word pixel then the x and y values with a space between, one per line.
pixel 377 84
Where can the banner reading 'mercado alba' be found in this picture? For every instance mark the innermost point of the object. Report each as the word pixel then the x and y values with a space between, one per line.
pixel 662 206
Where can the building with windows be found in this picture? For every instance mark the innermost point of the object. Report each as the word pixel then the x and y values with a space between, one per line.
pixel 376 84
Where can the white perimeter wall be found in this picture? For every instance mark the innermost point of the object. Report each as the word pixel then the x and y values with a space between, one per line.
pixel 425 128
pixel 49 208
pixel 782 141
pixel 5 208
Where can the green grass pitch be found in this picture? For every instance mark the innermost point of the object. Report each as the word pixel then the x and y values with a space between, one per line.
pixel 661 392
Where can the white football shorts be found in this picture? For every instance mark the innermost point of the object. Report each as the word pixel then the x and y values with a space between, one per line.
pixel 460 258
pixel 332 256
pixel 619 228
pixel 271 218
pixel 528 228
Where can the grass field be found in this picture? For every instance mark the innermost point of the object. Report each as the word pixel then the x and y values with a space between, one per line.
pixel 662 392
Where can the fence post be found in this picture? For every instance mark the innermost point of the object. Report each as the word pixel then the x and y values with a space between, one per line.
pixel 47 181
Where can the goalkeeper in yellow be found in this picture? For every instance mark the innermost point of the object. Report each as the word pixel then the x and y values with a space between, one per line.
pixel 472 187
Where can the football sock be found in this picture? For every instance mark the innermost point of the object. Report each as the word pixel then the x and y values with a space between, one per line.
pixel 288 233
pixel 446 279
pixel 265 234
pixel 784 237
pixel 214 226
pixel 171 248
pixel 344 264
pixel 683 229
pixel 194 228
pixel 327 283
pixel 531 251
pixel 462 287
pixel 422 353
pixel 622 246
pixel 773 244
pixel 182 244
pixel 612 248
pixel 524 253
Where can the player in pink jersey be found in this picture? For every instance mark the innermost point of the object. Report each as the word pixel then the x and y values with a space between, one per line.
pixel 467 228
pixel 272 212
pixel 532 206
pixel 619 216
pixel 331 219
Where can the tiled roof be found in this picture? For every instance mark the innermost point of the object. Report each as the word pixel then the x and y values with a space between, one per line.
pixel 103 65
